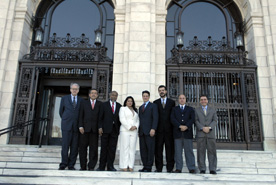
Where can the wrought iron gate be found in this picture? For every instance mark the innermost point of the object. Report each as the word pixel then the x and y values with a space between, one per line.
pixel 229 81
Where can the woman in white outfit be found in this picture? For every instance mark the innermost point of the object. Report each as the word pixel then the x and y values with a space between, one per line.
pixel 128 132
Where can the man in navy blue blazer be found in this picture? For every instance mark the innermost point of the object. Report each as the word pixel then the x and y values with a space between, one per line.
pixel 69 113
pixel 148 114
pixel 183 118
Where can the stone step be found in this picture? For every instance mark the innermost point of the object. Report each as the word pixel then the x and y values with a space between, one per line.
pixel 32 165
pixel 138 175
pixel 115 181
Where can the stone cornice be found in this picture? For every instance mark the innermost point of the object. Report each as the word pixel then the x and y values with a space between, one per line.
pixel 22 13
pixel 254 19
pixel 161 16
pixel 120 14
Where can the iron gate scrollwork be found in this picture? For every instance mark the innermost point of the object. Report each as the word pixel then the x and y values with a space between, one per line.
pixel 229 81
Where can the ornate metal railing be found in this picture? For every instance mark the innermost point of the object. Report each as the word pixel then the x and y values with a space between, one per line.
pixel 68 49
pixel 228 78
pixel 209 52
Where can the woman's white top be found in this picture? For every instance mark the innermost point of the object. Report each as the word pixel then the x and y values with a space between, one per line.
pixel 128 120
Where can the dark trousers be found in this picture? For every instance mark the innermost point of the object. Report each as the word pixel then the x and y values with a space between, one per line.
pixel 147 147
pixel 69 142
pixel 88 139
pixel 108 149
pixel 164 138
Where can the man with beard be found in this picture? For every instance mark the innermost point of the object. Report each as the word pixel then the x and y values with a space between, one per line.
pixel 164 134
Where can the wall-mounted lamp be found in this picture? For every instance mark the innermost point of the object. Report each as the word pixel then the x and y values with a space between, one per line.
pixel 239 39
pixel 179 39
pixel 98 37
pixel 38 35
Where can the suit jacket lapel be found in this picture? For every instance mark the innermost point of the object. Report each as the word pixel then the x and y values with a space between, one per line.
pixel 201 110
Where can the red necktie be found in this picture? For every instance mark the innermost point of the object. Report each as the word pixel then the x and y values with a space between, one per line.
pixel 143 108
pixel 113 107
pixel 93 104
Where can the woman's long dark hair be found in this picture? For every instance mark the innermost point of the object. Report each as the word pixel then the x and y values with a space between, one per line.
pixel 133 103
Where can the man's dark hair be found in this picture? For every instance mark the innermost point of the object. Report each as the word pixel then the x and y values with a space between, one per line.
pixel 146 91
pixel 161 86
pixel 203 95
pixel 93 89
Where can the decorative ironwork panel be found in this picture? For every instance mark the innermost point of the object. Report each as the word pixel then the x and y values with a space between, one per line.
pixel 102 78
pixel 252 102
pixel 25 83
pixel 173 84
pixel 21 114
pixel 68 49
pixel 209 53
pixel 22 105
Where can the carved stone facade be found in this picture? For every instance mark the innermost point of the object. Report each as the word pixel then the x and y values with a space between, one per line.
pixel 140 61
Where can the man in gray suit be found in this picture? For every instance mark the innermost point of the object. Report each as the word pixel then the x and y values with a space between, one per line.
pixel 206 121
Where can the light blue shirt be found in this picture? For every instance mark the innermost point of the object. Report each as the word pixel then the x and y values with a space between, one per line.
pixel 163 100
pixel 204 108
pixel 146 104
pixel 76 98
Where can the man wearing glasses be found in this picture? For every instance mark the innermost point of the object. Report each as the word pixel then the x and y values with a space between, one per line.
pixel 69 113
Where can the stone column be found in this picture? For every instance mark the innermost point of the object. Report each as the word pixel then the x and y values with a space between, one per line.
pixel 258 39
pixel 139 57
pixel 15 36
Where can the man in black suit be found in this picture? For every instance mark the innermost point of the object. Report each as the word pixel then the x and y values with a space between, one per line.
pixel 183 118
pixel 88 126
pixel 109 125
pixel 69 113
pixel 148 114
pixel 164 135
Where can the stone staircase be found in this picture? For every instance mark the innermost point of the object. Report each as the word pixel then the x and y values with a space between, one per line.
pixel 21 164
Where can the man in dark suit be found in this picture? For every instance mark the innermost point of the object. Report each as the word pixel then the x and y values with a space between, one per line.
pixel 164 135
pixel 88 126
pixel 148 114
pixel 183 118
pixel 109 125
pixel 69 113
pixel 206 121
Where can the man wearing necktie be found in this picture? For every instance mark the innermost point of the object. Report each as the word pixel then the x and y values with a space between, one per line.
pixel 109 125
pixel 164 133
pixel 88 127
pixel 183 118
pixel 148 115
pixel 69 113
pixel 206 121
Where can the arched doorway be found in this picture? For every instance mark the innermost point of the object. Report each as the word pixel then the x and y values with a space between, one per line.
pixel 72 42
pixel 206 55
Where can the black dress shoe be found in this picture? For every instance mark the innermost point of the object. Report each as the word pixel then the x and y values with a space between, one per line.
pixel 158 171
pixel 90 169
pixel 192 171
pixel 83 169
pixel 213 172
pixel 202 172
pixel 61 168
pixel 99 169
pixel 111 169
pixel 169 171
pixel 141 170
pixel 177 171
pixel 71 168
pixel 145 170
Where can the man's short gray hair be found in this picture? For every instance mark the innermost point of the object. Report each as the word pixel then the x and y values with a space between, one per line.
pixel 74 84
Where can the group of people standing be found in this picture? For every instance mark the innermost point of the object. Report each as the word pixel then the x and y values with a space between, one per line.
pixel 157 124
